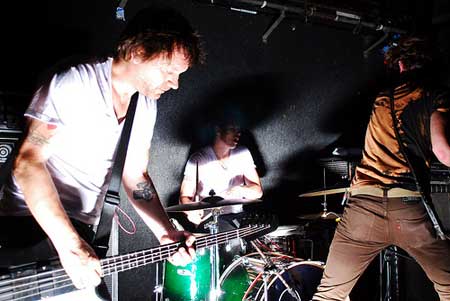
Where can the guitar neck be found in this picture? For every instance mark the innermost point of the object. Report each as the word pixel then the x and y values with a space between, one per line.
pixel 140 258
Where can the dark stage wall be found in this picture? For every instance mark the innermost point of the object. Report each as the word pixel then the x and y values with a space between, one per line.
pixel 303 93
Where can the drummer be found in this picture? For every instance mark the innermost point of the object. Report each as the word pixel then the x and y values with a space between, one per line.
pixel 222 169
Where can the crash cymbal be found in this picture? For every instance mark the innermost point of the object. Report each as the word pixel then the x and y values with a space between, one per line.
pixel 209 204
pixel 321 215
pixel 325 192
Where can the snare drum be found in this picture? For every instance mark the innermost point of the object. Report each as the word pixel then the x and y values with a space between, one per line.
pixel 290 240
pixel 243 280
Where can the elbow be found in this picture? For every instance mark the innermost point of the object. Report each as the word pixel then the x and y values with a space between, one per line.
pixel 442 154
pixel 259 194
pixel 20 167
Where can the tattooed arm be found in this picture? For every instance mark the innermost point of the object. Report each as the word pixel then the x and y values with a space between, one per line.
pixel 143 196
pixel 30 171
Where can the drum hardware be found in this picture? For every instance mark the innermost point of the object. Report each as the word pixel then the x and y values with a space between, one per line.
pixel 324 192
pixel 271 269
pixel 247 278
pixel 321 215
pixel 213 227
pixel 325 214
pixel 210 203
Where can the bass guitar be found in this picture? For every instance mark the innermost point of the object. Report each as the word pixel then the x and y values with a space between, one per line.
pixel 43 280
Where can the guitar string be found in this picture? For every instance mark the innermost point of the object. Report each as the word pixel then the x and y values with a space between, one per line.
pixel 219 238
pixel 201 243
pixel 67 279
pixel 105 260
pixel 67 285
pixel 38 293
pixel 131 261
pixel 142 260
pixel 146 254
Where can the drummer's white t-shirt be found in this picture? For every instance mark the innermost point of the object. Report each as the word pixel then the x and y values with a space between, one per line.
pixel 213 176
pixel 79 103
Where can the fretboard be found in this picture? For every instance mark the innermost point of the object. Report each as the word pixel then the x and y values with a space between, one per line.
pixel 140 258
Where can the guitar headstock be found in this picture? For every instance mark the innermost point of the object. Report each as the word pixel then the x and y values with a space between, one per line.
pixel 266 220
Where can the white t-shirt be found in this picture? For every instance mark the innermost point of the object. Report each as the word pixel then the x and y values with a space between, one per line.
pixel 79 102
pixel 212 175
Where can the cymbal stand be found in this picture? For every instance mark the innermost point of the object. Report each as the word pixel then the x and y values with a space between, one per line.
pixel 389 264
pixel 325 212
pixel 324 204
pixel 271 268
pixel 213 227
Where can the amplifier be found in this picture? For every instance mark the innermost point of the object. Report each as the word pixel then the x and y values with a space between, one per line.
pixel 8 142
pixel 12 106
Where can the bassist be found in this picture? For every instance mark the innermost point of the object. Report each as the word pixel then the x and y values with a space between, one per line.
pixel 63 166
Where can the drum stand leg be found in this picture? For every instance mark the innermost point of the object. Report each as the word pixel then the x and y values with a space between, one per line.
pixel 269 269
pixel 214 257
pixel 389 264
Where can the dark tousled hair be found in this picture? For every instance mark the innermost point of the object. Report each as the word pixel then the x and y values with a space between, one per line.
pixel 160 30
pixel 415 52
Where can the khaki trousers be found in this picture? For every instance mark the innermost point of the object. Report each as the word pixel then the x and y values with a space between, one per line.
pixel 370 224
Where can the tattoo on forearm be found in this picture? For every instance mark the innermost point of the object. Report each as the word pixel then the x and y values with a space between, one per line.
pixel 145 192
pixel 37 139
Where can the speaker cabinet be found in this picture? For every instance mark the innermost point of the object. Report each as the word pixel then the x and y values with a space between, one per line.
pixel 12 107
pixel 7 145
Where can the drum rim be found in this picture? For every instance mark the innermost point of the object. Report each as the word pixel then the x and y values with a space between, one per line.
pixel 315 263
pixel 251 256
pixel 235 262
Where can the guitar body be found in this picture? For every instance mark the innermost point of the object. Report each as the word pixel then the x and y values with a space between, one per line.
pixel 29 264
pixel 41 281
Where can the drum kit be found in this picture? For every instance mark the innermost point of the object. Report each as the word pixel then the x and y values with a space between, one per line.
pixel 269 269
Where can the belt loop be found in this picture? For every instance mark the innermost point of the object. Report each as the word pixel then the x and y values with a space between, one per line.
pixel 385 192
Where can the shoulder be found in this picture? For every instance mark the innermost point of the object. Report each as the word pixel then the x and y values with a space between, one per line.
pixel 242 152
pixel 203 155
pixel 83 72
pixel 438 96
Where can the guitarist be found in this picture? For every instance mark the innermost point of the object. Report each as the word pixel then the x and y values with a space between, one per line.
pixel 62 169
pixel 387 204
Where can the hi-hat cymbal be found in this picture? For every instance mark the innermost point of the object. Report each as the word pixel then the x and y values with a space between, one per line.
pixel 321 215
pixel 325 192
pixel 208 205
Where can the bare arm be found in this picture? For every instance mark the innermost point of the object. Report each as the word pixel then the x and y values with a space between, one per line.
pixel 187 194
pixel 187 191
pixel 143 196
pixel 252 189
pixel 439 140
pixel 42 199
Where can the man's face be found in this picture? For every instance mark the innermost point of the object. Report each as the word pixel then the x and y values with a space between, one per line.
pixel 230 135
pixel 155 76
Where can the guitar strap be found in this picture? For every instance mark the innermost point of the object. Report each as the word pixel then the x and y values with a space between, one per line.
pixel 112 198
pixel 425 198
